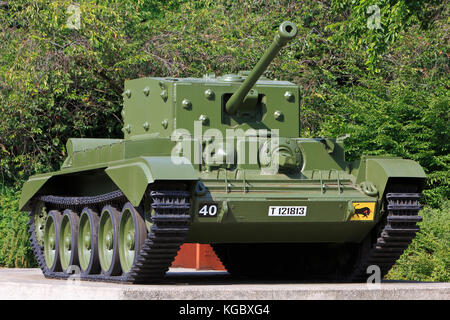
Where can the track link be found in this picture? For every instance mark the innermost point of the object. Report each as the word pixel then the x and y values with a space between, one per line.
pixel 170 224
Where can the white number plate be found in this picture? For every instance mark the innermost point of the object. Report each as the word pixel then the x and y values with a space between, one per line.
pixel 287 211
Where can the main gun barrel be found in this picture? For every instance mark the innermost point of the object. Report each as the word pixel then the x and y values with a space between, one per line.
pixel 286 32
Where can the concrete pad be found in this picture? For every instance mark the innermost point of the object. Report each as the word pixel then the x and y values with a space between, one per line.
pixel 189 284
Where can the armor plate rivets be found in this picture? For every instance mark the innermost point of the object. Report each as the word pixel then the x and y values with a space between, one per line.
pixel 164 95
pixel 204 119
pixel 186 104
pixel 209 94
pixel 289 96
pixel 278 115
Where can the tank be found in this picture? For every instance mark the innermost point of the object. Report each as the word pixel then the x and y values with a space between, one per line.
pixel 219 160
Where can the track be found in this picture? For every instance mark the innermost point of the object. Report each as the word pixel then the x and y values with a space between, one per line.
pixel 397 233
pixel 170 224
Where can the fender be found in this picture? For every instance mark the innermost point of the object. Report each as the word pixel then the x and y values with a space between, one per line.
pixel 380 170
pixel 30 188
pixel 133 176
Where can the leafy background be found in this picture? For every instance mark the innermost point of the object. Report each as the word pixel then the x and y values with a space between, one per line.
pixel 387 87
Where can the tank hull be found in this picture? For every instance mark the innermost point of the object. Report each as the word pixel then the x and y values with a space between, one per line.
pixel 243 198
pixel 328 210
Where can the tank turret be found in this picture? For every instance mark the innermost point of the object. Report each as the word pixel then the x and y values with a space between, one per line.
pixel 161 105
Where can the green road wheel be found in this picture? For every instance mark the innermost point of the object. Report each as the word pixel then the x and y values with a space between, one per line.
pixel 132 234
pixel 39 219
pixel 68 240
pixel 108 241
pixel 51 240
pixel 87 242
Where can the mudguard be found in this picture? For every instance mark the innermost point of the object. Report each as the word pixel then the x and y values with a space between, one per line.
pixel 131 176
pixel 30 188
pixel 379 171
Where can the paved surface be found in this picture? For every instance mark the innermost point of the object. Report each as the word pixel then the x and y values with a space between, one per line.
pixel 191 285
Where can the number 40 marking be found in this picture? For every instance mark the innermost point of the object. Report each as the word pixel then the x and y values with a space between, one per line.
pixel 208 210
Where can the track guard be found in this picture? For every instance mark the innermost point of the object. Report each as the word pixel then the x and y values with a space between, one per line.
pixel 380 171
pixel 30 188
pixel 132 177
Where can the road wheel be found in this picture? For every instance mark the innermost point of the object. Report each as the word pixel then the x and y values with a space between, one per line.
pixel 108 241
pixel 51 240
pixel 39 218
pixel 68 246
pixel 132 234
pixel 88 242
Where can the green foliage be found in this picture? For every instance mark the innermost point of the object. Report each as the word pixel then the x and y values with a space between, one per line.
pixel 427 258
pixel 374 25
pixel 403 111
pixel 15 250
pixel 391 119
pixel 387 87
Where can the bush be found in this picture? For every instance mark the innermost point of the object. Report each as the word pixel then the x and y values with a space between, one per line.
pixel 15 250
pixel 427 258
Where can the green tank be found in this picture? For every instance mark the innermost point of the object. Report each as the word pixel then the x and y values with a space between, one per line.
pixel 219 160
